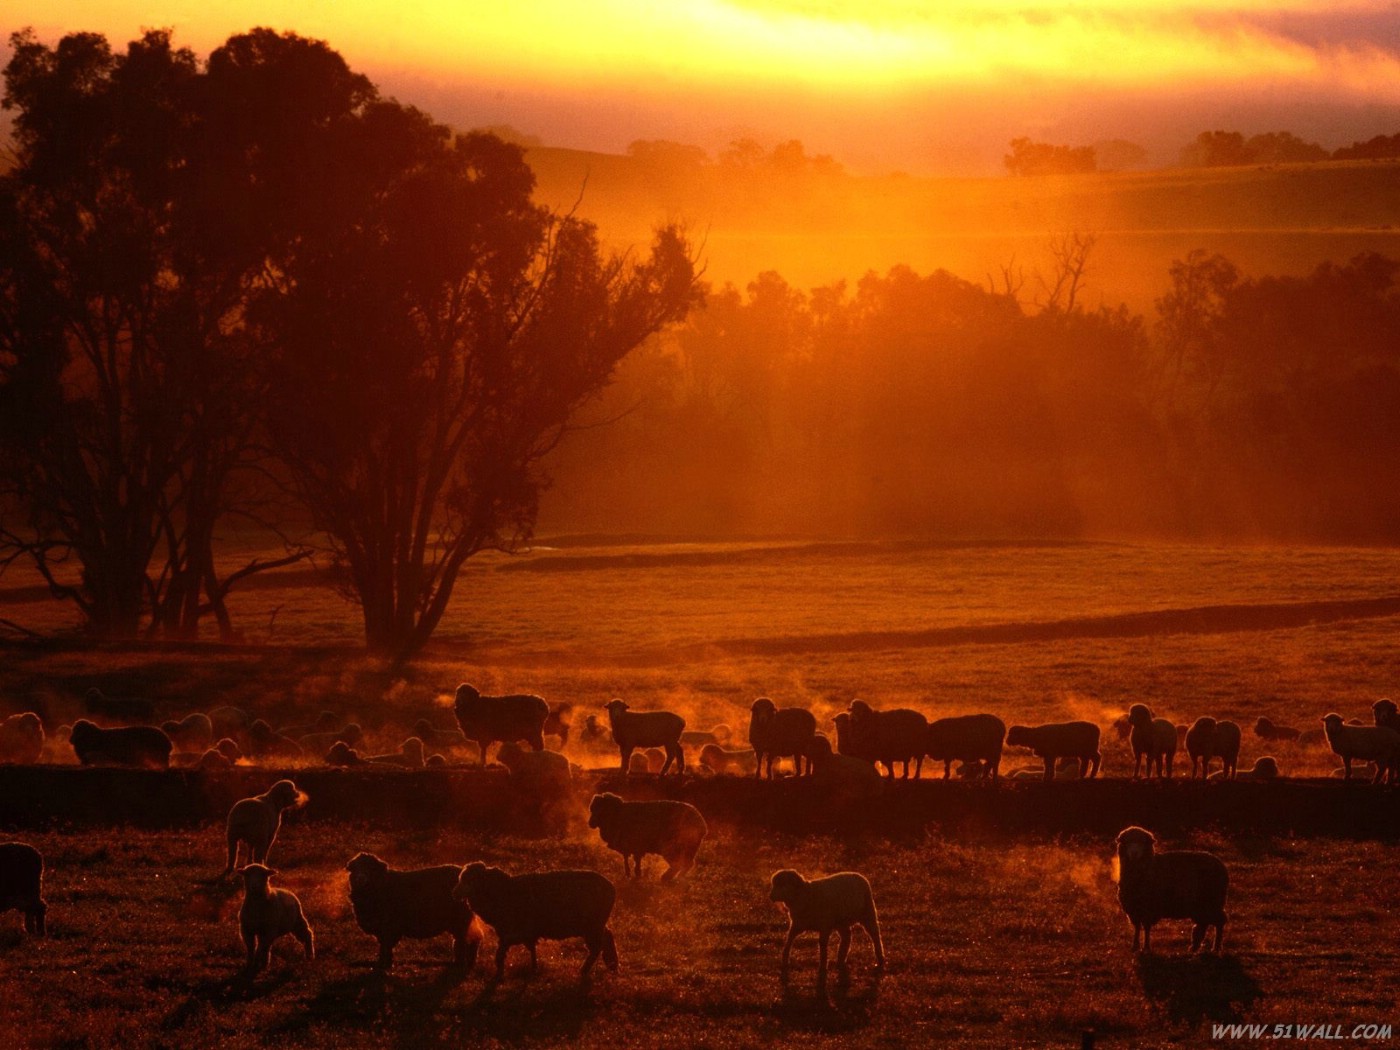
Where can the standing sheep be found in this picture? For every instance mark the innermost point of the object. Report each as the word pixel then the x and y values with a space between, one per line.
pixel 776 732
pixel 559 722
pixel 887 737
pixel 22 739
pixel 1152 738
pixel 967 738
pixel 835 903
pixel 1176 884
pixel 1057 740
pixel 391 905
pixel 542 906
pixel 266 915
pixel 22 884
pixel 1200 745
pixel 256 821
pixel 488 719
pixel 144 747
pixel 634 729
pixel 671 830
pixel 1378 744
pixel 194 732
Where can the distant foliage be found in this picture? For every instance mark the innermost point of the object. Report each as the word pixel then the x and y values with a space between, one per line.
pixel 1218 149
pixel 1382 147
pixel 1041 158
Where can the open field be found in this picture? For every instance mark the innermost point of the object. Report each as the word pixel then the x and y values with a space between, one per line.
pixel 999 940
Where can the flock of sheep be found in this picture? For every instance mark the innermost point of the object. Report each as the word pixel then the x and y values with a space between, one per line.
pixel 459 900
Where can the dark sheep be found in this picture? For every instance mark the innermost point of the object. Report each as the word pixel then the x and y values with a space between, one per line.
pixel 390 905
pixel 144 747
pixel 266 742
pixel 776 732
pixel 887 737
pixel 634 729
pixel 1057 740
pixel 21 885
pixel 492 719
pixel 1154 739
pixel 542 906
pixel 126 710
pixel 1208 739
pixel 255 821
pixel 967 738
pixel 1176 884
pixel 194 732
pixel 22 739
pixel 559 721
pixel 349 734
pixel 266 915
pixel 833 904
pixel 671 830
pixel 1267 730
pixel 232 722
pixel 1386 714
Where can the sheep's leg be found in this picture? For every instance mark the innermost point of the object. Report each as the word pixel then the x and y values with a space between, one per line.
pixel 871 923
pixel 670 872
pixel 307 938
pixel 680 757
pixel 1097 760
pixel 386 952
pixel 1049 767
pixel 1346 765
pixel 502 949
pixel 537 741
pixel 1219 933
pixel 947 768
pixel 595 949
pixel 1137 936
pixel 260 956
pixel 787 951
pixel 843 947
pixel 1147 937
pixel 626 758
pixel 609 950
pixel 825 937
pixel 534 956
pixel 232 854
pixel 626 866
pixel 637 864
pixel 482 744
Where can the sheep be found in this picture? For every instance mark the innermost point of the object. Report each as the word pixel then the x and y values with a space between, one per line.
pixel 846 770
pixel 266 742
pixel 966 738
pixel 256 821
pixel 671 830
pixel 637 764
pixel 1154 739
pixel 832 904
pixel 488 719
pixel 1386 714
pixel 21 885
pixel 1055 740
pixel 342 755
pixel 230 722
pixel 449 739
pixel 1378 744
pixel 349 734
pixel 409 755
pixel 559 721
pixel 194 732
pixel 546 905
pixel 656 759
pixel 634 729
pixel 1264 768
pixel 390 905
pixel 118 709
pixel 1267 730
pixel 266 915
pixel 888 737
pixel 779 733
pixel 213 761
pixel 22 739
pixel 1175 884
pixel 143 746
pixel 1123 728
pixel 1209 739
pixel 719 759
pixel 540 768
pixel 719 734
pixel 595 734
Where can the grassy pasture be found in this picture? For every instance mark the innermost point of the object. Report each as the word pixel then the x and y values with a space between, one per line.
pixel 992 943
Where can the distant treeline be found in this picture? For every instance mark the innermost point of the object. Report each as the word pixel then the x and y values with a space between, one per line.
pixel 1244 407
pixel 1209 149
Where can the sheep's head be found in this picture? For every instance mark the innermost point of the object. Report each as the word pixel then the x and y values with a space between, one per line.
pixel 1019 736
pixel 1135 845
pixel 1263 727
pixel 170 728
pixel 1384 712
pixel 1265 767
pixel 435 762
pixel 412 749
pixel 284 795
pixel 365 870
pixel 423 728
pixel 1139 715
pixel 860 709
pixel 1330 723
pixel 255 878
pixel 476 880
pixel 762 708
pixel 467 695
pixel 615 708
pixel 508 754
pixel 712 758
pixel 342 754
pixel 820 747
pixel 602 808
pixel 82 730
pixel 28 721
pixel 722 733
pixel 638 763
pixel 1122 727
pixel 260 730
pixel 787 885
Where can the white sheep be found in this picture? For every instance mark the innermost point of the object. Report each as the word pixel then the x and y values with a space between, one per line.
pixel 266 915
pixel 255 821
pixel 671 830
pixel 634 729
pixel 832 904
pixel 1176 884
pixel 1378 744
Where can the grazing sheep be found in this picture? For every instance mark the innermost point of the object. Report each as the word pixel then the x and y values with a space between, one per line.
pixel 1176 884
pixel 266 915
pixel 833 904
pixel 539 768
pixel 1123 728
pixel 971 770
pixel 266 742
pixel 489 719
pixel 559 721
pixel 1264 768
pixel 888 737
pixel 1056 740
pixel 776 732
pixel 1154 739
pixel 391 905
pixel 634 729
pixel 22 739
pixel 595 734
pixel 21 885
pixel 343 755
pixel 145 747
pixel 231 722
pixel 720 760
pixel 194 732
pixel 449 739
pixel 118 709
pixel 542 906
pixel 409 755
pixel 213 761
pixel 671 830
pixel 256 821
pixel 1386 714
pixel 1208 739
pixel 1267 730
pixel 350 734
pixel 435 762
pixel 1378 744
pixel 967 738
pixel 847 770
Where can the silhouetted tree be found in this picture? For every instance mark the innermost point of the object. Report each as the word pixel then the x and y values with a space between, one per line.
pixel 1041 158
pixel 1214 149
pixel 1381 147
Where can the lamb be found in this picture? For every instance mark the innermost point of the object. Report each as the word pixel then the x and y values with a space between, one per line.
pixel 888 737
pixel 559 721
pixel 1056 740
pixel 720 760
pixel 22 739
pixel 194 732
pixel 391 905
pixel 21 885
pixel 1264 768
pixel 256 821
pixel 118 709
pixel 1175 884
pixel 1154 739
pixel 847 770
pixel 266 915
pixel 488 719
pixel 1267 730
pixel 1208 739
pixel 266 742
pixel 835 903
pixel 547 905
pixel 409 755
pixel 671 830
pixel 145 747
pixel 967 738
pixel 779 733
pixel 634 729
pixel 1378 744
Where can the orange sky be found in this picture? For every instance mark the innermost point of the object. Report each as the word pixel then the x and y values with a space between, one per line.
pixel 881 84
